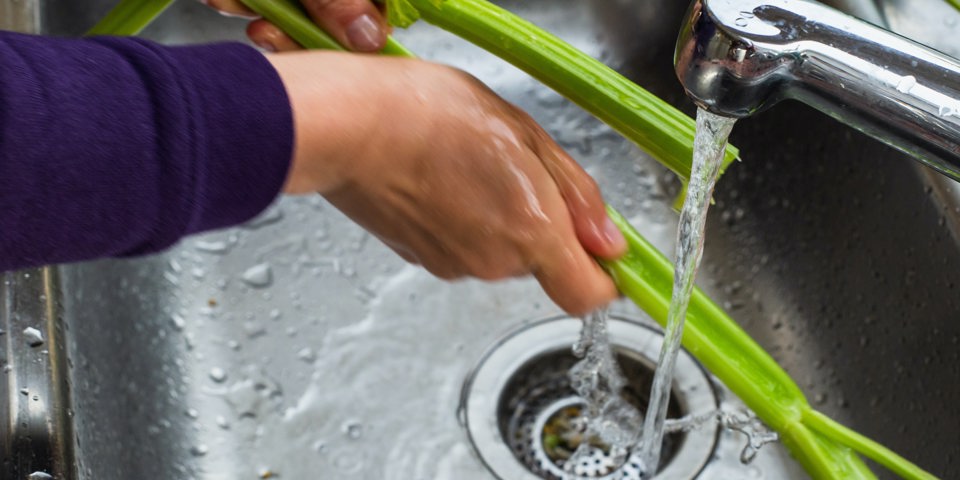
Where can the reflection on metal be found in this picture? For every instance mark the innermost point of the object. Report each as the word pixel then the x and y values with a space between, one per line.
pixel 738 57
pixel 38 435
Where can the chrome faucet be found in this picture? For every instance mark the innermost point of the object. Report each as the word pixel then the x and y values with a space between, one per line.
pixel 739 57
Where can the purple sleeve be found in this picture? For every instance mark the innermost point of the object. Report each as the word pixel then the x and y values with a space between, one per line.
pixel 119 146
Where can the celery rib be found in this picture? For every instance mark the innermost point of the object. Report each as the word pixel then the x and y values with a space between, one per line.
pixel 839 433
pixel 129 17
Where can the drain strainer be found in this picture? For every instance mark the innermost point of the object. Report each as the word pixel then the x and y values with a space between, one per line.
pixel 523 416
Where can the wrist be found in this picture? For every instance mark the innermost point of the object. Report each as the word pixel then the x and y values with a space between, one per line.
pixel 335 112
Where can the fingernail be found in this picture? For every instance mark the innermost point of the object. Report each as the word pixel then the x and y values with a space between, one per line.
pixel 612 234
pixel 265 45
pixel 364 34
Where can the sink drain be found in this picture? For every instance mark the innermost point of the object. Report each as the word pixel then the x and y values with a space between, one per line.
pixel 523 416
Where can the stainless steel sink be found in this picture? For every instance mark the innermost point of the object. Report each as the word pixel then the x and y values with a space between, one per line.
pixel 836 253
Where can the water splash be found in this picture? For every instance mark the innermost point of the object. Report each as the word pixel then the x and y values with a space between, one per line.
pixel 708 151
pixel 598 381
pixel 746 423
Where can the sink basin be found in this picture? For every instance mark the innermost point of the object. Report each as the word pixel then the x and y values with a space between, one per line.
pixel 298 346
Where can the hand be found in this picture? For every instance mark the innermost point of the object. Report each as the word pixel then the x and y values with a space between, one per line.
pixel 355 24
pixel 447 174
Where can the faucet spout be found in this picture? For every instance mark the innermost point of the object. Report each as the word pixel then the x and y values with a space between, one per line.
pixel 739 57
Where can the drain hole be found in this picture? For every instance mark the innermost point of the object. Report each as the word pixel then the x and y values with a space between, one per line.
pixel 538 417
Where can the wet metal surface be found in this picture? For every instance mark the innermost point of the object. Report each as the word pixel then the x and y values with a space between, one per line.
pixel 299 346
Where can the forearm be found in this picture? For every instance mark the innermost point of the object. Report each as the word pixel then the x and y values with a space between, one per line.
pixel 115 147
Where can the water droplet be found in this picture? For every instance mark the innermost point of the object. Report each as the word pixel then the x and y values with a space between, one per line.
pixel 259 275
pixel 39 476
pixel 217 374
pixel 353 430
pixel 178 322
pixel 192 413
pixel 906 83
pixel 33 336
pixel 266 472
pixel 199 450
pixel 271 216
pixel 275 314
pixel 24 391
pixel 211 246
pixel 222 422
pixel 741 22
pixel 307 355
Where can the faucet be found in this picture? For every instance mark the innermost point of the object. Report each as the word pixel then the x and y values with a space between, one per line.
pixel 739 57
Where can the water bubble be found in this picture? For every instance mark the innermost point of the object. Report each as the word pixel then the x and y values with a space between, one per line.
pixel 259 275
pixel 25 391
pixel 33 336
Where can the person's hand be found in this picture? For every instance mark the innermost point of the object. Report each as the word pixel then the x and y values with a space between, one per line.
pixel 355 24
pixel 447 174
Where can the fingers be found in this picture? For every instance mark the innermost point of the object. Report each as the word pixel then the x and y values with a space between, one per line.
pixel 574 281
pixel 230 7
pixel 595 230
pixel 356 24
pixel 270 38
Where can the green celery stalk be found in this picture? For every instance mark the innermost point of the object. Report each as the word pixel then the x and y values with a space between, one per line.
pixel 129 17
pixel 654 125
pixel 302 29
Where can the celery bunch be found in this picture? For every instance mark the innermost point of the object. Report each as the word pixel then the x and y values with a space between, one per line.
pixel 825 448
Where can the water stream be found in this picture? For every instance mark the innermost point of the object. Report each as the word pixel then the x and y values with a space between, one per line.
pixel 597 378
pixel 708 151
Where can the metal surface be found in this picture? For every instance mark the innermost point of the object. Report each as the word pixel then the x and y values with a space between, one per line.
pixel 738 57
pixel 522 380
pixel 36 434
pixel 348 364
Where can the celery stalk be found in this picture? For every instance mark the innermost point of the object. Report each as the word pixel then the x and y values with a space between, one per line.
pixel 654 125
pixel 129 17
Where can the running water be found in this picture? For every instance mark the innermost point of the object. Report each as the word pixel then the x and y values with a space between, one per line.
pixel 598 381
pixel 708 150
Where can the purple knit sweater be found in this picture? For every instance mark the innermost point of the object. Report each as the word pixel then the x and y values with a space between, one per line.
pixel 119 146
